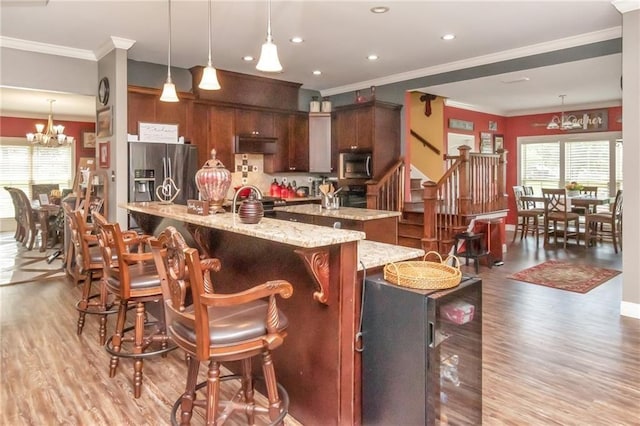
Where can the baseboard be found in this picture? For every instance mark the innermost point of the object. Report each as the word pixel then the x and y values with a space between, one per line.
pixel 629 309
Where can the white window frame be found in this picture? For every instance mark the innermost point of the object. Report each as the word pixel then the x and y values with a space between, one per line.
pixel 612 137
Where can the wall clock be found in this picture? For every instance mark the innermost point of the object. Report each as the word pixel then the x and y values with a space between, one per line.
pixel 103 91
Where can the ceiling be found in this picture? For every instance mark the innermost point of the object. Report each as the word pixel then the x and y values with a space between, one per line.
pixel 338 36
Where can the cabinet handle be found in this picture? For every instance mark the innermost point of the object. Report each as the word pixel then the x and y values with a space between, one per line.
pixel 291 219
pixel 292 168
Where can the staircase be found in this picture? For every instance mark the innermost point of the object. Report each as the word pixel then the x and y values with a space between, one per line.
pixel 472 186
pixel 411 224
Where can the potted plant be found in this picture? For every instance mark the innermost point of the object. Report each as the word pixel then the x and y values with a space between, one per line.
pixel 573 189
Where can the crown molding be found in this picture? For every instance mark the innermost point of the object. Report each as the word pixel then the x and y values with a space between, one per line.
pixel 625 6
pixel 113 43
pixel 471 107
pixel 534 49
pixel 49 49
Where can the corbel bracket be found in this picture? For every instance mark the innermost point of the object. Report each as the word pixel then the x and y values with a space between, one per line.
pixel 317 264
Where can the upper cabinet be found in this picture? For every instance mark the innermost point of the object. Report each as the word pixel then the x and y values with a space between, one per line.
pixel 255 123
pixel 372 126
pixel 143 105
pixel 292 131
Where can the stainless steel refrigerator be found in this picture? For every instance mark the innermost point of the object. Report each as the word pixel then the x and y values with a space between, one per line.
pixel 150 163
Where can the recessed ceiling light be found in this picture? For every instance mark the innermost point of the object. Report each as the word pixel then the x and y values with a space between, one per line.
pixel 448 37
pixel 317 72
pixel 379 9
pixel 296 39
pixel 372 57
pixel 247 58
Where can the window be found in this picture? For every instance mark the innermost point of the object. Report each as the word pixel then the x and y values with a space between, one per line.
pixel 589 159
pixel 22 165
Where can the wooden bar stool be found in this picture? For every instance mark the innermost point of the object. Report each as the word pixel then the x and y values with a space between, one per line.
pixel 219 328
pixel 90 264
pixel 133 279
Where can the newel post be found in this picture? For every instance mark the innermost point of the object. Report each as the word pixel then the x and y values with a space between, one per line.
pixel 502 179
pixel 372 194
pixel 430 199
pixel 464 183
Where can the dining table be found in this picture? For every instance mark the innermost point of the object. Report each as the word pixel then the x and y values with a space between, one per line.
pixel 586 201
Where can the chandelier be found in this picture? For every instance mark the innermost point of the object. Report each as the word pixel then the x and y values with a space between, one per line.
pixel 53 136
pixel 563 122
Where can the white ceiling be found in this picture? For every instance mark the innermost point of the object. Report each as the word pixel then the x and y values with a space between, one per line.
pixel 338 37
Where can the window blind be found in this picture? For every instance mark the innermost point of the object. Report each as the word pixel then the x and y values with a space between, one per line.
pixel 22 165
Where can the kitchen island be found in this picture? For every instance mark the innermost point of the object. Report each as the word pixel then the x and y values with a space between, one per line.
pixel 318 363
pixel 378 225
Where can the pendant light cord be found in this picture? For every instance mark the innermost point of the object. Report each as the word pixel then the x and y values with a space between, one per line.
pixel 269 38
pixel 169 55
pixel 210 36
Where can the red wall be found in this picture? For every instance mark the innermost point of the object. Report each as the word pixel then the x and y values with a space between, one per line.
pixel 19 127
pixel 512 128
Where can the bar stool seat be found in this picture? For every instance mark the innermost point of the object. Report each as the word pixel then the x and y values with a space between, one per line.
pixel 474 248
pixel 219 328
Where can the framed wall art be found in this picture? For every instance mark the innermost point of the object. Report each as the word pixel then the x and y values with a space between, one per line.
pixel 104 122
pixel 104 160
pixel 88 140
pixel 498 142
pixel 486 143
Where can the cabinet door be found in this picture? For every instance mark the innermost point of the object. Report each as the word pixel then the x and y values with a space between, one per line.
pixel 320 143
pixel 221 133
pixel 279 162
pixel 249 122
pixel 140 107
pixel 346 130
pixel 298 143
pixel 364 128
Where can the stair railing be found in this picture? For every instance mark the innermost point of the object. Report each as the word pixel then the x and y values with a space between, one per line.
pixel 473 184
pixel 388 192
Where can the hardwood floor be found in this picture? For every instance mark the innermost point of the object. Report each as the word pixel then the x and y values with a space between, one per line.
pixel 551 357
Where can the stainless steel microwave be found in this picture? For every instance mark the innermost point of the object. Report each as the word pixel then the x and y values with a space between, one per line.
pixel 355 165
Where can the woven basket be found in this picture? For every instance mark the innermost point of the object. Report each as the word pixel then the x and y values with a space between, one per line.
pixel 423 274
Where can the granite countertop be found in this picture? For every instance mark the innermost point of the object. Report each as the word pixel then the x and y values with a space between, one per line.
pixel 293 233
pixel 351 213
pixel 373 254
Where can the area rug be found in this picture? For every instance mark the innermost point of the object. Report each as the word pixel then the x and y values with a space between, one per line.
pixel 566 276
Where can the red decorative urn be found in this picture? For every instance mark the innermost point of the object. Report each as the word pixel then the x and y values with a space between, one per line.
pixel 213 181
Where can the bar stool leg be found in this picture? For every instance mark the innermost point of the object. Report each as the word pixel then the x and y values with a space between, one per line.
pixel 116 339
pixel 138 349
pixel 272 385
pixel 213 391
pixel 189 396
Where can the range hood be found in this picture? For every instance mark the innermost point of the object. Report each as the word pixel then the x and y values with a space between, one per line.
pixel 255 144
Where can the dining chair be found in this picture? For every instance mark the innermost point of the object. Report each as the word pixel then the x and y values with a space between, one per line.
pixel 588 191
pixel 609 224
pixel 220 327
pixel 21 231
pixel 528 216
pixel 556 211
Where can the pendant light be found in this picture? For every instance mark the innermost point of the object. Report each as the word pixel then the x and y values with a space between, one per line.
pixel 209 75
pixel 269 61
pixel 169 90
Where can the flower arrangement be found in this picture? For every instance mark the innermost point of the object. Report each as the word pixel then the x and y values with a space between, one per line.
pixel 573 186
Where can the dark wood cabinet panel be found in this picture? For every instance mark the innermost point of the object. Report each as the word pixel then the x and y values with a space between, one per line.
pixel 221 134
pixel 143 105
pixel 292 131
pixel 140 107
pixel 250 122
pixel 346 129
pixel 372 126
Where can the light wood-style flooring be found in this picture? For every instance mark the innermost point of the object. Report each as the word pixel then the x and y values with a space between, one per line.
pixel 550 357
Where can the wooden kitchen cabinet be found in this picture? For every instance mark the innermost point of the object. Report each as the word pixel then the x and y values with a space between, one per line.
pixel 292 153
pixel 143 105
pixel 215 129
pixel 257 123
pixel 372 126
pixel 320 143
